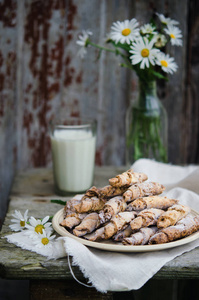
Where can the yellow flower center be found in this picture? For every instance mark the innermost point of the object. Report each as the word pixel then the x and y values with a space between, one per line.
pixel 164 63
pixel 45 241
pixel 22 223
pixel 145 52
pixel 39 228
pixel 172 36
pixel 126 31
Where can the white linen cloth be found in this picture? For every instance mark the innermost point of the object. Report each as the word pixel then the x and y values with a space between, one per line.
pixel 112 271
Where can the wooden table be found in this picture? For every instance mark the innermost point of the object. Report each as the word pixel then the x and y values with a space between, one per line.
pixel 51 279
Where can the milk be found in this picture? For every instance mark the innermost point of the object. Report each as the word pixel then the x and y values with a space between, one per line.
pixel 73 154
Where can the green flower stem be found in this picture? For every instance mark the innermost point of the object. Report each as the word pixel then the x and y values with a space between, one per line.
pixel 145 75
pixel 57 201
pixel 116 51
pixel 101 47
pixel 126 66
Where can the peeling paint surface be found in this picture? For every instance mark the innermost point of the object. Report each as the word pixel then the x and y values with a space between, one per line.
pixel 41 78
pixel 8 149
pixel 42 65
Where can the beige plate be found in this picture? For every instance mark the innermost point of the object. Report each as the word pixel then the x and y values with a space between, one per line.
pixel 118 247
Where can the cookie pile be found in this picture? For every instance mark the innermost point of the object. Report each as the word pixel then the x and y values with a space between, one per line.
pixel 130 211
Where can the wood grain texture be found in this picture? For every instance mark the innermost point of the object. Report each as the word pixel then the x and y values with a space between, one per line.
pixel 190 124
pixel 33 189
pixel 55 82
pixel 63 290
pixel 41 78
pixel 8 118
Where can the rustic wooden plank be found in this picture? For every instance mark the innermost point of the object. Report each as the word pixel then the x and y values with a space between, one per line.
pixel 63 290
pixel 113 89
pixel 157 289
pixel 8 289
pixel 33 189
pixel 96 88
pixel 51 78
pixel 170 93
pixel 43 48
pixel 174 89
pixel 8 54
pixel 190 122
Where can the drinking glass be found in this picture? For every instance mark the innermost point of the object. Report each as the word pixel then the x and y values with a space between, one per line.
pixel 73 144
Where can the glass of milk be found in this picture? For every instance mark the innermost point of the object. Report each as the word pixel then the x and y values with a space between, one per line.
pixel 73 144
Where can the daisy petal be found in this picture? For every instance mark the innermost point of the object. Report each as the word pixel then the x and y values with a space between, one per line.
pixel 45 220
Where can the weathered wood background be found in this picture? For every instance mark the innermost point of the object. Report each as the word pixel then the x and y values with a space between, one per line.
pixel 42 77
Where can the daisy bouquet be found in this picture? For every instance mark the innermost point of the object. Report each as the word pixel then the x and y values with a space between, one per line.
pixel 36 232
pixel 143 50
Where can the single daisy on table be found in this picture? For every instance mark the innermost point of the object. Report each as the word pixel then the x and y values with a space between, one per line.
pixel 166 62
pixel 166 21
pixel 38 226
pixel 148 29
pixel 143 52
pixel 83 42
pixel 44 240
pixel 175 35
pixel 19 220
pixel 124 32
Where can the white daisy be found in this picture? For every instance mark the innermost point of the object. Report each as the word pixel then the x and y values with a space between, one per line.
pixel 143 52
pixel 38 226
pixel 175 35
pixel 83 38
pixel 83 42
pixel 124 32
pixel 160 40
pixel 166 21
pixel 148 29
pixel 167 63
pixel 44 240
pixel 19 220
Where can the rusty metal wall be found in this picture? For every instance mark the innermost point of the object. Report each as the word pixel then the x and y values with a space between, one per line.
pixel 41 77
pixel 8 120
pixel 54 80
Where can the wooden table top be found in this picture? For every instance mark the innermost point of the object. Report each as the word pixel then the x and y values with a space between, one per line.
pixel 33 189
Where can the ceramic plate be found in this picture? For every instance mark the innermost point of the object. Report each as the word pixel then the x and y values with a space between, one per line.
pixel 119 247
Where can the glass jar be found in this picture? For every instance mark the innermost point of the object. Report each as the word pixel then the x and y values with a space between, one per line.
pixel 146 126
